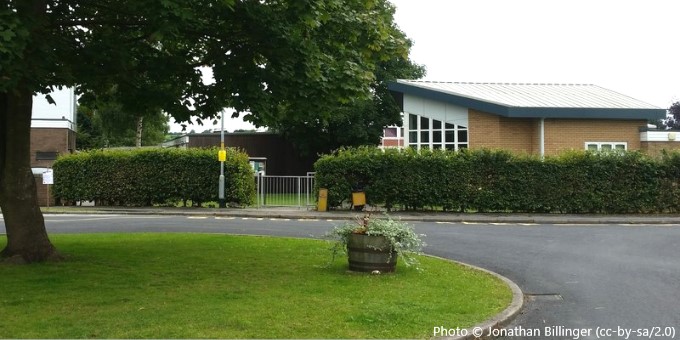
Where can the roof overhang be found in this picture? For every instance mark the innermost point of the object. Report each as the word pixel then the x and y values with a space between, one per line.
pixel 528 112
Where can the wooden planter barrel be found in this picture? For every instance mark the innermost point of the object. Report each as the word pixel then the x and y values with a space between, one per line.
pixel 367 253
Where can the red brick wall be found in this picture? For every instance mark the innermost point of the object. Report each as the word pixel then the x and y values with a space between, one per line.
pixel 42 192
pixel 392 143
pixel 62 141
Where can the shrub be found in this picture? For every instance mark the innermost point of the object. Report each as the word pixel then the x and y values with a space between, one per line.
pixel 498 181
pixel 152 176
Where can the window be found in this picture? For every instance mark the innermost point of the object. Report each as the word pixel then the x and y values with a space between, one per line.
pixel 390 132
pixel 606 146
pixel 427 133
pixel 46 155
pixel 393 137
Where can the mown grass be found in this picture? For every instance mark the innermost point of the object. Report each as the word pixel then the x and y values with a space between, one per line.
pixel 220 286
pixel 287 199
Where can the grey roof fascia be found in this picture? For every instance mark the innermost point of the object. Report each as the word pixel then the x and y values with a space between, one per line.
pixel 585 113
pixel 528 112
pixel 467 102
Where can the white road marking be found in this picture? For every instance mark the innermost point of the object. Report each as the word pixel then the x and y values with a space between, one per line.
pixel 101 218
pixel 197 217
pixel 495 223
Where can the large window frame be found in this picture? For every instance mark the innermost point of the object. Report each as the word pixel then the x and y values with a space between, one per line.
pixel 429 133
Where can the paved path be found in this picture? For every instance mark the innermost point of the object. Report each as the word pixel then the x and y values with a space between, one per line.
pixel 577 276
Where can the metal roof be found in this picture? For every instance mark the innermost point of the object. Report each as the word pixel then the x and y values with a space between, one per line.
pixel 534 100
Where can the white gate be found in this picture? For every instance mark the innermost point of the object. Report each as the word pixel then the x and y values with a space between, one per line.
pixel 297 191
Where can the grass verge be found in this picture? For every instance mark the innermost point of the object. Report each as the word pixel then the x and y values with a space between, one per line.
pixel 222 286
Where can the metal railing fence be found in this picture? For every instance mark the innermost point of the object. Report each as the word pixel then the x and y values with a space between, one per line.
pixel 285 190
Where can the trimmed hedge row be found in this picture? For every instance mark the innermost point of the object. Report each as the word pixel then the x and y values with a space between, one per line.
pixel 152 176
pixel 498 181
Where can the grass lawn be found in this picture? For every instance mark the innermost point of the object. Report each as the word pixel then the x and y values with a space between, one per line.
pixel 221 286
pixel 288 199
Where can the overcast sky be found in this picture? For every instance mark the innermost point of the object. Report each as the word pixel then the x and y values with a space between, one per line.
pixel 632 47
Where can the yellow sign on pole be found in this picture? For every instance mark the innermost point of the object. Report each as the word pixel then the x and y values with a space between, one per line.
pixel 222 155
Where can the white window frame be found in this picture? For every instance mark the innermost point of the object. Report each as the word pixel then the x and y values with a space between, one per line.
pixel 430 144
pixel 399 138
pixel 612 144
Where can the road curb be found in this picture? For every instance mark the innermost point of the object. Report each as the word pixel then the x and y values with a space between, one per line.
pixel 346 216
pixel 501 319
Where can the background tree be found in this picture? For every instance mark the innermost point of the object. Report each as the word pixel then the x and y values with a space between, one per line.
pixel 268 58
pixel 360 122
pixel 89 134
pixel 110 127
pixel 673 117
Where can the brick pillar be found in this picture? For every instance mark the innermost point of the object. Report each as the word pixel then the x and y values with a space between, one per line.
pixel 42 192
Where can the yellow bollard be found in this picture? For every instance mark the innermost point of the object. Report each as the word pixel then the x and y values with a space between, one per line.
pixel 323 200
pixel 358 198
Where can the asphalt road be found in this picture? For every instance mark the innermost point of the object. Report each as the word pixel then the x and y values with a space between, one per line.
pixel 579 277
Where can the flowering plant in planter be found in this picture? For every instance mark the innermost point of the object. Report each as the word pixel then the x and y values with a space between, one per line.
pixel 374 244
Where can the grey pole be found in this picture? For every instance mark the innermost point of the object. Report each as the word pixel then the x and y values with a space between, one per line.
pixel 223 204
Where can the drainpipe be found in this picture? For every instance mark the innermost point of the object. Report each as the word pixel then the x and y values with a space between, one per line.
pixel 541 141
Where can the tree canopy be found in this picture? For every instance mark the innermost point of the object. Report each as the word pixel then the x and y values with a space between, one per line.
pixel 357 123
pixel 109 126
pixel 672 120
pixel 272 59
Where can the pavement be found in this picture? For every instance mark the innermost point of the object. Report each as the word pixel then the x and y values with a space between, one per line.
pixel 423 216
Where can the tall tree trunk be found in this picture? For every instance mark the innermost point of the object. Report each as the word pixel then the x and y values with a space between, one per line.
pixel 140 129
pixel 27 239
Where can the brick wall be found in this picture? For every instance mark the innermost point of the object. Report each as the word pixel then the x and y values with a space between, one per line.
pixel 522 135
pixel 566 134
pixel 42 192
pixel 392 142
pixel 496 132
pixel 483 130
pixel 655 148
pixel 61 141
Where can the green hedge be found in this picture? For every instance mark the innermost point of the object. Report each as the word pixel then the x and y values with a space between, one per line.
pixel 152 176
pixel 498 181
